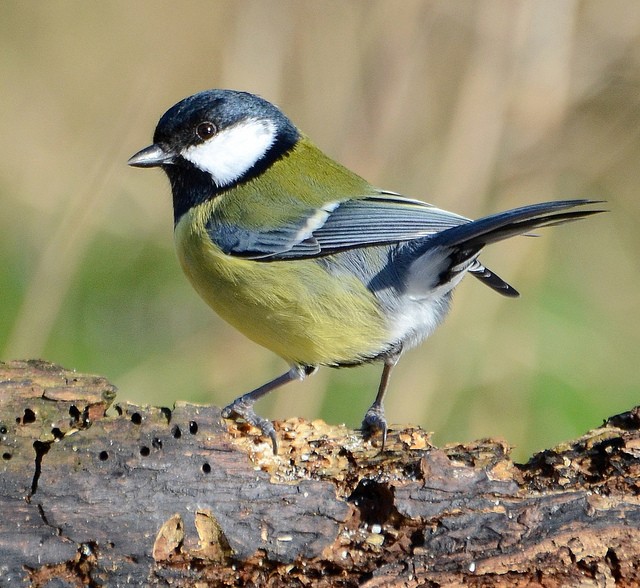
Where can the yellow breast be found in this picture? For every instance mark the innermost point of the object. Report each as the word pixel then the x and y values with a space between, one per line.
pixel 297 309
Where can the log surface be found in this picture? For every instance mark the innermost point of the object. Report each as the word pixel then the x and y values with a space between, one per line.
pixel 179 497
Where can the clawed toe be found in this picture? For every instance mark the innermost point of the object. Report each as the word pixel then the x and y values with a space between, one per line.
pixel 239 410
pixel 375 422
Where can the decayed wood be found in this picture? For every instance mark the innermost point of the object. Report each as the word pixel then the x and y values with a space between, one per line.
pixel 156 496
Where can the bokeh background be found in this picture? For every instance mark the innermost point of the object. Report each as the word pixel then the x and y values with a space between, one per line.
pixel 476 106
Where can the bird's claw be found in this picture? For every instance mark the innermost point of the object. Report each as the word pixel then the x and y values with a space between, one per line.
pixel 240 410
pixel 375 422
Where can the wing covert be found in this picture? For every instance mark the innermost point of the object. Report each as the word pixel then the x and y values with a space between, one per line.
pixel 379 219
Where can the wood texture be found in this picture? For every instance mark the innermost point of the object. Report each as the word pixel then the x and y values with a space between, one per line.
pixel 178 497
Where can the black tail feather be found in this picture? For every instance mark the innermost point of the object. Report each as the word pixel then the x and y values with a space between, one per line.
pixel 494 281
pixel 476 234
pixel 465 241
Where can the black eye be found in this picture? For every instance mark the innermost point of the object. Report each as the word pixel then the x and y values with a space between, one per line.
pixel 206 130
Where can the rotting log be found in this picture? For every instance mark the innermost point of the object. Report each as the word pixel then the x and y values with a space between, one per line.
pixel 179 497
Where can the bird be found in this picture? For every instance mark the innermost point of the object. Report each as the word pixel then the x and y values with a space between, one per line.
pixel 307 258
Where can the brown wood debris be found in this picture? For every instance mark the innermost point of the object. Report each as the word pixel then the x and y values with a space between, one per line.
pixel 179 497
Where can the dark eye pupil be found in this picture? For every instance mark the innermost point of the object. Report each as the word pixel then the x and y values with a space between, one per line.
pixel 205 130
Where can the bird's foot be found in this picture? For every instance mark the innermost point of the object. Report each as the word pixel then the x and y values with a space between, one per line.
pixel 375 422
pixel 243 410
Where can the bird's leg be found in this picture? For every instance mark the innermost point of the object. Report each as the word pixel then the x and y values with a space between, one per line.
pixel 242 407
pixel 374 419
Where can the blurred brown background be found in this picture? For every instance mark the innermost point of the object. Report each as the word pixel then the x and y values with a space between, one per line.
pixel 476 106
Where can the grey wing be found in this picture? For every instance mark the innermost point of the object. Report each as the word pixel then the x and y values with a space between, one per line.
pixel 380 219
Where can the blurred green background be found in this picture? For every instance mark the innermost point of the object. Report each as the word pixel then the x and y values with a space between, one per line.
pixel 476 106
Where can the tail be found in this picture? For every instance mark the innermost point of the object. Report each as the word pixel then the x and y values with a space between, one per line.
pixel 468 239
pixel 493 280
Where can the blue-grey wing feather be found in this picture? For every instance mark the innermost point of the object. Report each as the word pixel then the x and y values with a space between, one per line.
pixel 384 218
pixel 253 244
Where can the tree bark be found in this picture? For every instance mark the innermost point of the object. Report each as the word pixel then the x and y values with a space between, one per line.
pixel 179 497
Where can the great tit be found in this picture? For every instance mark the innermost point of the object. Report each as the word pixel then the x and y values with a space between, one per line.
pixel 304 256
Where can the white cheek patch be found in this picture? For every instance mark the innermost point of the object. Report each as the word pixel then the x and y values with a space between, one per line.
pixel 229 154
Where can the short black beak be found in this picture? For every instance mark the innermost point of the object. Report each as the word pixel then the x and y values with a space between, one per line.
pixel 152 156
